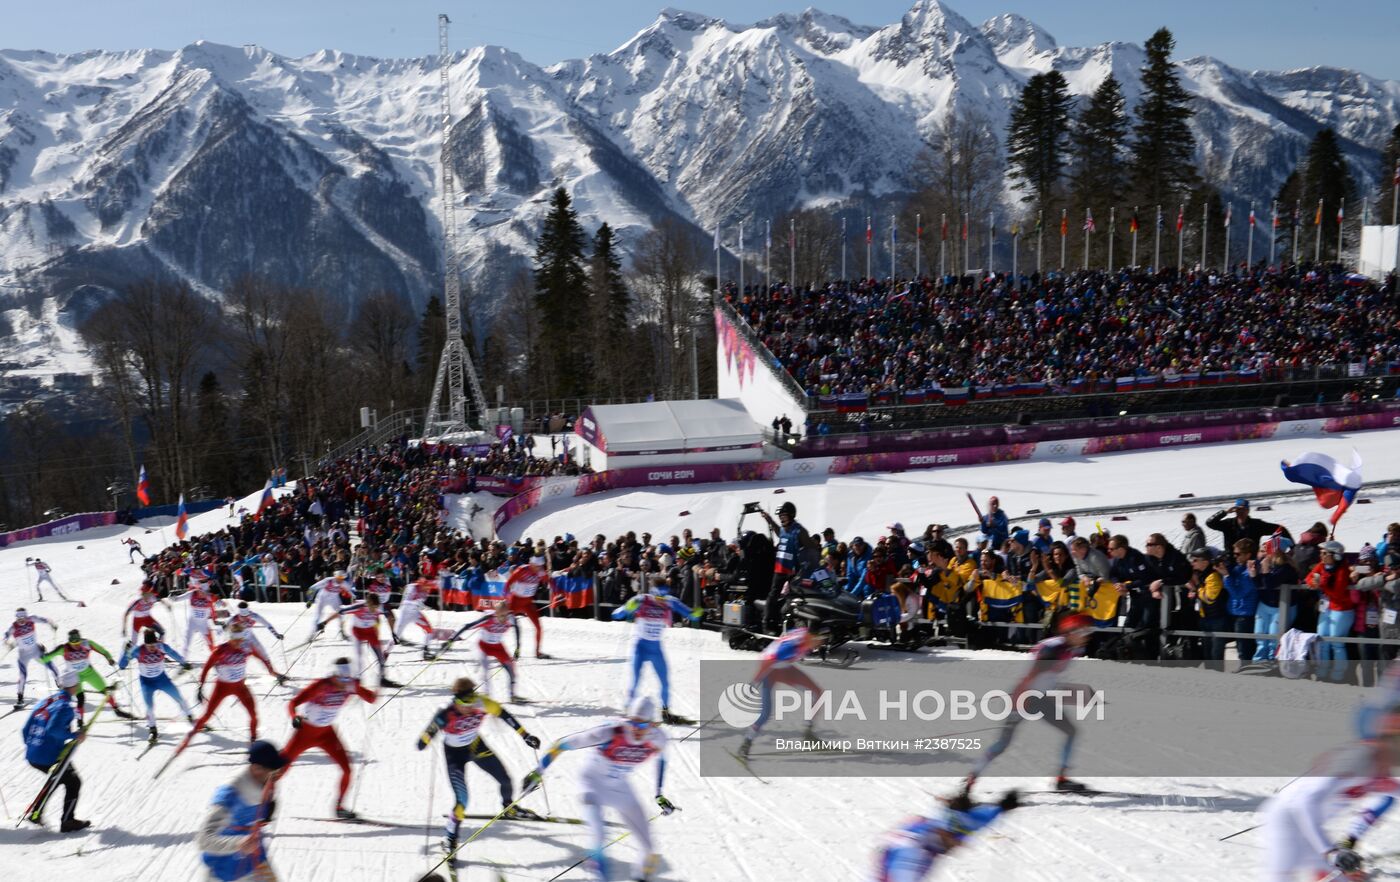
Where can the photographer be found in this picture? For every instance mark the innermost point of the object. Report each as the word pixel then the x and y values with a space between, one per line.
pixel 793 543
pixel 1241 526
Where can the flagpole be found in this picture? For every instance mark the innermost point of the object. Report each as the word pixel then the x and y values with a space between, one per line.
pixel 1039 238
pixel 1227 239
pixel 991 240
pixel 768 254
pixel 843 249
pixel 868 238
pixel 1135 232
pixel 1317 234
pixel 1088 232
pixel 792 251
pixel 1112 213
pixel 741 258
pixel 1249 257
pixel 1015 265
pixel 1180 237
pixel 717 266
pixel 1297 219
pixel 943 247
pixel 1341 218
pixel 1273 231
pixel 1064 235
pixel 918 237
pixel 1157 242
pixel 1206 235
pixel 967 242
pixel 892 230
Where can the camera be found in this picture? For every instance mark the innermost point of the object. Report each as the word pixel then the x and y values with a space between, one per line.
pixel 752 507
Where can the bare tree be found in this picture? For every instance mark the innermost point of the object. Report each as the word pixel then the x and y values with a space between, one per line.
pixel 961 173
pixel 259 311
pixel 666 268
pixel 808 240
pixel 380 336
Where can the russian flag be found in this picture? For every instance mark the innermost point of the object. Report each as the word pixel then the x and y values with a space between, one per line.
pixel 489 587
pixel 266 501
pixel 143 487
pixel 1334 483
pixel 182 521
pixel 574 592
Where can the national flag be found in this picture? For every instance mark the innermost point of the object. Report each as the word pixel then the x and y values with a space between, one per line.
pixel 768 234
pixel 919 225
pixel 1088 221
pixel 1064 222
pixel 1317 218
pixel 944 230
pixel 716 238
pixel 869 231
pixel 1133 223
pixel 1015 229
pixel 265 501
pixel 143 487
pixel 1161 222
pixel 964 227
pixel 1251 215
pixel 741 238
pixel 1229 209
pixel 182 521
pixel 1341 211
pixel 1275 221
pixel 1180 218
pixel 1396 180
pixel 1297 212
pixel 1336 485
pixel 1039 221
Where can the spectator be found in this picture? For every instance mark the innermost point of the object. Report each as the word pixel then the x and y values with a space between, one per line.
pixel 1043 540
pixel 856 562
pixel 1242 590
pixel 1332 577
pixel 1195 537
pixel 1388 582
pixel 1067 534
pixel 878 573
pixel 1276 570
pixel 1207 587
pixel 1000 596
pixel 1091 565
pixel 1307 551
pixel 963 563
pixel 1132 580
pixel 1389 541
pixel 1368 616
pixel 1241 526
pixel 995 526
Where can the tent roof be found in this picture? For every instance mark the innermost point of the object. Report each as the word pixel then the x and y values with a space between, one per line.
pixel 673 425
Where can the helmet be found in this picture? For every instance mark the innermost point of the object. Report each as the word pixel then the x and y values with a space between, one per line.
pixel 1073 622
pixel 1336 548
pixel 643 707
pixel 74 636
pixel 788 509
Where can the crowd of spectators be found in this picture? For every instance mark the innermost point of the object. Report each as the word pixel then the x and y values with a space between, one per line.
pixel 870 336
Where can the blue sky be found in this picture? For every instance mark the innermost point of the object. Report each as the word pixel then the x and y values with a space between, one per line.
pixel 1360 34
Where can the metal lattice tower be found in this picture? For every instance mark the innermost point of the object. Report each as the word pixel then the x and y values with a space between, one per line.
pixel 455 369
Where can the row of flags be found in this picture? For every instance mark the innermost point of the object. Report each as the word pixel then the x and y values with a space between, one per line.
pixel 182 517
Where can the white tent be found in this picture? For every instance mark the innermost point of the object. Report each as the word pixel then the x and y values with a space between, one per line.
pixel 1379 246
pixel 669 433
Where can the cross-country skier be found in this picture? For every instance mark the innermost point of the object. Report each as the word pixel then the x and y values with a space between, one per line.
pixel 47 734
pixel 460 724
pixel 1296 840
pixel 150 659
pixel 44 576
pixel 133 550
pixel 331 593
pixel 653 613
pixel 75 654
pixel 494 627
pixel 378 585
pixel 23 636
pixel 522 585
pixel 618 748
pixel 911 849
pixel 365 617
pixel 314 727
pixel 1049 658
pixel 250 620
pixel 229 660
pixel 203 603
pixel 139 613
pixel 231 838
pixel 410 611
pixel 778 667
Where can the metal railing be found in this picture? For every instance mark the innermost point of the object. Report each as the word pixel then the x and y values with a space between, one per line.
pixel 402 422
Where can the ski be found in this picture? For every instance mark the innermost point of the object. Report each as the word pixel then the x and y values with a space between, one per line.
pixel 372 822
pixel 35 811
pixel 538 819
pixel 745 765
pixel 14 710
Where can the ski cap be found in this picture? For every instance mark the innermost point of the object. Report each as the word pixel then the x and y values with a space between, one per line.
pixel 21 613
pixel 74 636
pixel 265 754
pixel 68 679
pixel 1073 622
pixel 1336 548
pixel 342 669
pixel 643 707
pixel 338 574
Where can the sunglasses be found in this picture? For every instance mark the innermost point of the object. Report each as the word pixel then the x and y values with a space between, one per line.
pixel 641 724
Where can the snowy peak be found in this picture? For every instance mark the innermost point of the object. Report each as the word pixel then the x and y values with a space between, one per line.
pixel 1013 35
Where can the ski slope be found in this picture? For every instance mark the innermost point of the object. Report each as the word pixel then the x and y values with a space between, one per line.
pixel 729 828
pixel 865 504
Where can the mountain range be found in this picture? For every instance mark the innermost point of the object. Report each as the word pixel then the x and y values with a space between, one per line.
pixel 210 161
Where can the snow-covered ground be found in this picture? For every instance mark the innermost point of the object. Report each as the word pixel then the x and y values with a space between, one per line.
pixel 729 828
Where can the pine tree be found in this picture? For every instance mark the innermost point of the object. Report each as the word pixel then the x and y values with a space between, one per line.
pixel 432 334
pixel 218 470
pixel 1164 150
pixel 1385 203
pixel 560 287
pixel 1325 177
pixel 1289 200
pixel 1099 144
pixel 1037 139
pixel 610 304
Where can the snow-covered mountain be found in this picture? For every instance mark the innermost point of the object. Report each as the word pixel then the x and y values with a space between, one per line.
pixel 211 161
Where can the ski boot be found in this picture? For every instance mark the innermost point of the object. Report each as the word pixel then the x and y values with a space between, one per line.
pixel 671 719
pixel 392 684
pixel 543 655
pixel 427 653
pixel 345 814
pixel 743 751
pixel 155 736
pixel 1065 785
pixel 519 813
pixel 516 656
pixel 650 865
pixel 124 713
pixel 73 825
pixel 19 702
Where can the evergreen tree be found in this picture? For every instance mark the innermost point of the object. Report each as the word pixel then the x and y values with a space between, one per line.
pixel 560 286
pixel 1099 144
pixel 1164 150
pixel 610 304
pixel 1325 177
pixel 1288 200
pixel 432 334
pixel 218 470
pixel 1037 139
pixel 1385 203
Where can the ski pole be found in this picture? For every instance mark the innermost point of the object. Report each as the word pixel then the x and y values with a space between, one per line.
pixel 543 791
pixel 619 838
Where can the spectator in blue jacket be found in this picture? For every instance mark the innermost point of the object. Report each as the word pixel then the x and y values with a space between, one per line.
pixel 1242 586
pixel 1275 570
pixel 1391 540
pixel 995 526
pixel 856 562
pixel 47 733
pixel 1132 577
